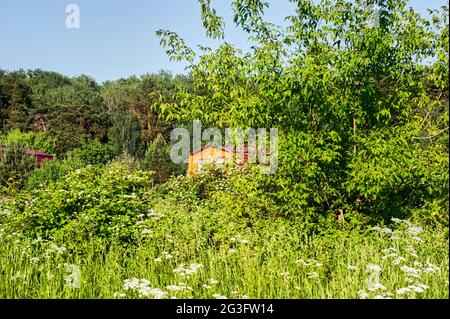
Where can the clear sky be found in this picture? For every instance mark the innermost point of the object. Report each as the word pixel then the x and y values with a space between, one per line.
pixel 116 38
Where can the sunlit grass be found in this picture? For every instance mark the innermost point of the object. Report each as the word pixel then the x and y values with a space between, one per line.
pixel 251 265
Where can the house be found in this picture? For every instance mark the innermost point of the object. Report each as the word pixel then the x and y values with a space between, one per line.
pixel 207 154
pixel 213 154
pixel 38 155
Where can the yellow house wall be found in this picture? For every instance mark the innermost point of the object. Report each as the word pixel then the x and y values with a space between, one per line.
pixel 205 154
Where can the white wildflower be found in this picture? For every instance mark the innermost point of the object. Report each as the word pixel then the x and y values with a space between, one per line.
pixel 351 267
pixel 131 284
pixel 181 286
pixel 386 230
pixel 57 249
pixel 183 271
pixel 413 272
pixel 363 294
pixel 430 267
pixel 218 296
pixel 398 260
pixel 411 251
pixel 141 286
pixel 403 291
pixel 34 259
pixel 313 275
pixel 145 232
pixel 373 268
pixel 18 275
pixel 166 255
pixel 377 286
pixel 422 285
pixel 301 262
pixel 417 289
pixel 213 281
pixel 415 230
pixel 157 293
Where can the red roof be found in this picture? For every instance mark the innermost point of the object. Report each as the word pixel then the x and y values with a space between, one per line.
pixel 35 152
pixel 40 156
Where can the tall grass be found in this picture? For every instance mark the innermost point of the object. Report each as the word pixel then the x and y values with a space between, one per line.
pixel 406 262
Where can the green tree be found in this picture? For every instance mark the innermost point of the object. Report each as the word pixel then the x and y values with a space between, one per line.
pixel 157 159
pixel 125 133
pixel 71 113
pixel 334 83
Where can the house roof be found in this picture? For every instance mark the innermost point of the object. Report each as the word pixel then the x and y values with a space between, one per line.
pixel 28 151
pixel 228 149
pixel 212 146
pixel 35 152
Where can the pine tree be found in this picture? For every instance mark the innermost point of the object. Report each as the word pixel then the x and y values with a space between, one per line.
pixel 157 159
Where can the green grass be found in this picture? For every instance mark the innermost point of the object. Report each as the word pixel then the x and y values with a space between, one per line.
pixel 275 263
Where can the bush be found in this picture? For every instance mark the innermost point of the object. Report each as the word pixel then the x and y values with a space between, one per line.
pixel 15 167
pixel 52 171
pixel 394 174
pixel 94 152
pixel 35 140
pixel 96 201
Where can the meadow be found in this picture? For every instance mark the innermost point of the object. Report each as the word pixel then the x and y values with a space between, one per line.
pixel 166 248
pixel 409 262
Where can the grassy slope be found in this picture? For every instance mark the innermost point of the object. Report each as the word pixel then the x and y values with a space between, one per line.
pixel 265 262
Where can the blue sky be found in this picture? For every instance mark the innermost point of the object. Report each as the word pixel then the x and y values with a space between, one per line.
pixel 116 37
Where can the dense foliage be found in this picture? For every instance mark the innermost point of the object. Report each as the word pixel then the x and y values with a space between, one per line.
pixel 76 110
pixel 363 113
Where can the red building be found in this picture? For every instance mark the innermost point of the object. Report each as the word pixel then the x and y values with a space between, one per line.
pixel 38 155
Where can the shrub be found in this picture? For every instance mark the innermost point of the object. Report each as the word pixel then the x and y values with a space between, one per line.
pixel 35 140
pixel 94 152
pixel 157 159
pixel 98 201
pixel 15 167
pixel 52 171
pixel 91 153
